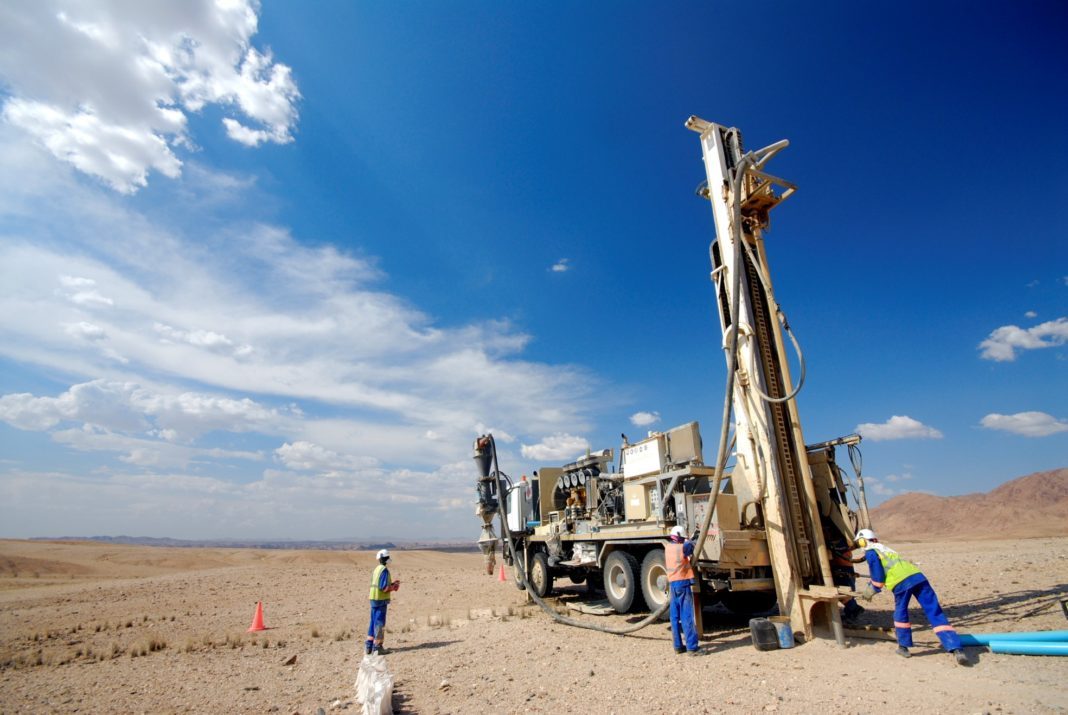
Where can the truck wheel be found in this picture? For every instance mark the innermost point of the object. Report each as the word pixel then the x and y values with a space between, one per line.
pixel 621 582
pixel 655 586
pixel 541 580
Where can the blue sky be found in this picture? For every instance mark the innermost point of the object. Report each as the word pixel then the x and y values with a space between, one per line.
pixel 268 269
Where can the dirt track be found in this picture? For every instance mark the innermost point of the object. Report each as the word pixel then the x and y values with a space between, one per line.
pixel 76 618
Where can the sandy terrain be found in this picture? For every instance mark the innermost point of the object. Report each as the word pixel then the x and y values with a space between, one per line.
pixel 78 624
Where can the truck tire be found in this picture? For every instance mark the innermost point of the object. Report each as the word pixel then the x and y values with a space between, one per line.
pixel 541 578
pixel 655 586
pixel 621 579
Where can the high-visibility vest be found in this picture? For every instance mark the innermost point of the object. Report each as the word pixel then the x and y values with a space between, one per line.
pixel 676 563
pixel 897 569
pixel 378 594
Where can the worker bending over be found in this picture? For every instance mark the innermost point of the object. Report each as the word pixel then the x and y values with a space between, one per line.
pixel 677 555
pixel 381 587
pixel 888 570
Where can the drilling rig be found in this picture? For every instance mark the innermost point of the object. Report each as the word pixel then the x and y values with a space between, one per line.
pixel 763 522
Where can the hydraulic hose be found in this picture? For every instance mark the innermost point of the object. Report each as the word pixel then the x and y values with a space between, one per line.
pixel 506 535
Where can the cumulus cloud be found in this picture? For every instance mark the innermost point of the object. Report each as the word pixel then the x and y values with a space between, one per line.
pixel 644 419
pixel 128 407
pixel 561 266
pixel 1028 424
pixel 558 446
pixel 115 102
pixel 1002 344
pixel 897 427
pixel 306 456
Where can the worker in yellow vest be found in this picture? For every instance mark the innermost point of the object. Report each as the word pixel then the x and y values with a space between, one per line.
pixel 677 555
pixel 381 587
pixel 888 570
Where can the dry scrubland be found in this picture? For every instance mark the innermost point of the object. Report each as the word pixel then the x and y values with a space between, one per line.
pixel 94 628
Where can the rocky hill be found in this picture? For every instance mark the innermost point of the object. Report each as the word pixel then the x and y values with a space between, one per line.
pixel 1031 506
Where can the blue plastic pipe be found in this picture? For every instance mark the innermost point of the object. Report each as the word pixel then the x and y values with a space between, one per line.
pixel 970 639
pixel 1029 647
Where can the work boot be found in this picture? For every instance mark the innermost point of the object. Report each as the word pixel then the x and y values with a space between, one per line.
pixel 903 652
pixel 368 648
pixel 697 651
pixel 960 657
pixel 680 650
pixel 381 651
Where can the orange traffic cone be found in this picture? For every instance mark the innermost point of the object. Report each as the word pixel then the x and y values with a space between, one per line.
pixel 500 575
pixel 257 619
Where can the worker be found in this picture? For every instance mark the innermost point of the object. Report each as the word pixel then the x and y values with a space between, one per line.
pixel 888 570
pixel 677 555
pixel 381 587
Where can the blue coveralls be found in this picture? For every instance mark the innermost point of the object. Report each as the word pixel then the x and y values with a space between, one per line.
pixel 376 629
pixel 916 586
pixel 682 608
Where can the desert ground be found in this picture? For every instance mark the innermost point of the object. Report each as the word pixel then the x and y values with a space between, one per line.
pixel 97 628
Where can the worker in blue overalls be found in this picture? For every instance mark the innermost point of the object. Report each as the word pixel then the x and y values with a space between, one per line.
pixel 888 570
pixel 677 555
pixel 381 587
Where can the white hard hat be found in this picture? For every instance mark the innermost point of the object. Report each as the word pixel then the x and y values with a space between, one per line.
pixel 866 534
pixel 678 531
pixel 383 554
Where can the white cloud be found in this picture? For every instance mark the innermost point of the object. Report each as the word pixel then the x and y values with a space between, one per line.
pixel 1028 424
pixel 339 363
pixel 114 101
pixel 644 419
pixel 1030 314
pixel 82 292
pixel 129 407
pixel 559 446
pixel 276 504
pixel 200 338
pixel 561 266
pixel 1003 343
pixel 897 427
pixel 499 435
pixel 305 456
pixel 85 330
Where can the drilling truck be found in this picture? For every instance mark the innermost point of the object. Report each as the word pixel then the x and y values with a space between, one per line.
pixel 765 509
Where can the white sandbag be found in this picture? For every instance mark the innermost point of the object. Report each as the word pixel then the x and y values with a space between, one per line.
pixel 374 686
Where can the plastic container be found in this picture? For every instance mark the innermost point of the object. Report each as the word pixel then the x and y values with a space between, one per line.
pixel 765 636
pixel 783 631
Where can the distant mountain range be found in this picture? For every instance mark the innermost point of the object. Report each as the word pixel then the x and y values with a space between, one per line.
pixel 332 545
pixel 1026 507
